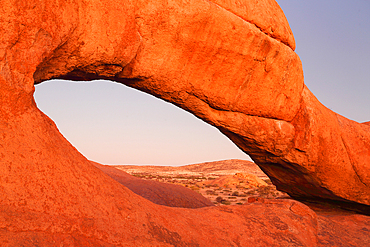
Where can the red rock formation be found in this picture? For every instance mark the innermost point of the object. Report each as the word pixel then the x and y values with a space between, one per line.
pixel 225 64
pixel 221 61
pixel 160 193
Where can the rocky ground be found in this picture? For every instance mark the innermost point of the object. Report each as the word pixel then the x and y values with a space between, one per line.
pixel 229 182
pixel 239 182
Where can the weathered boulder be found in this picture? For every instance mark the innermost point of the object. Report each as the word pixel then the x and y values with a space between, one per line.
pixel 221 61
pixel 160 193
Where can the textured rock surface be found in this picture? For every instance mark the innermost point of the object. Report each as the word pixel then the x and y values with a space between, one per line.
pixel 343 230
pixel 160 193
pixel 337 227
pixel 229 66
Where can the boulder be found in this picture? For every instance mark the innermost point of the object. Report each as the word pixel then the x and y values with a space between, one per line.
pixel 220 60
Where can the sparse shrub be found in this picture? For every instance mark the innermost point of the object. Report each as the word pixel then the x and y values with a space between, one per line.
pixel 219 199
pixel 267 181
pixel 250 192
pixel 138 175
pixel 210 192
pixel 264 190
pixel 194 187
pixel 235 193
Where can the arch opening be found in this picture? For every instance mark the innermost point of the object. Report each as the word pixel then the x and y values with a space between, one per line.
pixel 113 124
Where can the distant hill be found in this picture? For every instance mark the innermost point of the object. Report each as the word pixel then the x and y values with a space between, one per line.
pixel 217 168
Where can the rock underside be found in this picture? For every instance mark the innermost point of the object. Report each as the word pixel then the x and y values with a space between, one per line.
pixel 231 64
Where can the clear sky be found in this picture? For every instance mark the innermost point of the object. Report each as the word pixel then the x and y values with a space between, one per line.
pixel 113 124
pixel 333 42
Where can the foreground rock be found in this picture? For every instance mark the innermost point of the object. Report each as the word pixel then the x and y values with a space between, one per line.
pixel 67 201
pixel 219 60
pixel 343 230
pixel 338 227
pixel 160 193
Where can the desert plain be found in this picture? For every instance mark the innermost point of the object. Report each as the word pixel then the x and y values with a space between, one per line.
pixel 228 182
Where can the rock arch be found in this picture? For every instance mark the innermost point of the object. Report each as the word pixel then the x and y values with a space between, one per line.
pixel 234 70
pixel 231 68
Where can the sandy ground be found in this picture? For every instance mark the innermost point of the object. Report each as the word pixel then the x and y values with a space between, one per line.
pixel 227 182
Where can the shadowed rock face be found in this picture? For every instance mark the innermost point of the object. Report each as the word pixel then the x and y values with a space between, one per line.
pixel 231 64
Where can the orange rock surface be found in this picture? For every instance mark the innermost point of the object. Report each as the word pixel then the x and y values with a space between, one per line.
pixel 228 64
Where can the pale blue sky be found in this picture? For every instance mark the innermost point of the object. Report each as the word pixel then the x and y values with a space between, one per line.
pixel 113 124
pixel 333 39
